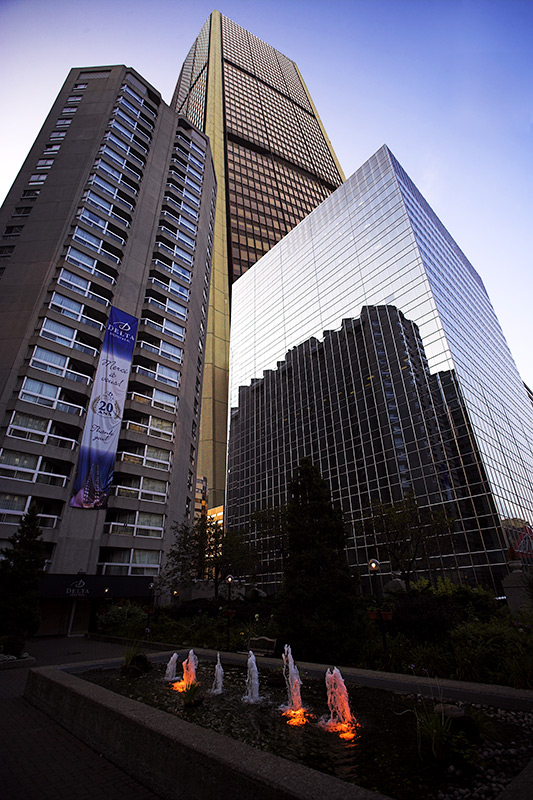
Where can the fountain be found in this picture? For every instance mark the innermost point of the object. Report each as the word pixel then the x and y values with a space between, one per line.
pixel 189 673
pixel 294 709
pixel 252 681
pixel 341 719
pixel 170 673
pixel 219 677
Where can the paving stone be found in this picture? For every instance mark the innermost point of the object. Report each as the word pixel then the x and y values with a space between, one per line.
pixel 40 760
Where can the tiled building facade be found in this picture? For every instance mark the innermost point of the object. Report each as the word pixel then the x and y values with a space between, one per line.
pixel 114 207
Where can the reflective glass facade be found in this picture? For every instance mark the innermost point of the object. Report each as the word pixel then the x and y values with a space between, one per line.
pixel 376 241
pixel 274 165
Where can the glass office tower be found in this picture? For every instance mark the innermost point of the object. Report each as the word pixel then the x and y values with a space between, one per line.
pixel 376 241
pixel 274 164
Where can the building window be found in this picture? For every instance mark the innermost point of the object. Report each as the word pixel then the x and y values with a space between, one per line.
pixel 63 123
pixel 6 251
pixel 37 177
pixel 57 135
pixel 21 211
pixel 45 163
pixel 164 400
pixel 51 149
pixel 12 231
pixel 86 76
pixel 56 332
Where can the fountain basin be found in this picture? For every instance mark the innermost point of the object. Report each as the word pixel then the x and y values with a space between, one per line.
pixel 169 755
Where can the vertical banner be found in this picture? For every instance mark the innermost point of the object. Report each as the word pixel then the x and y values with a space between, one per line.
pixel 104 414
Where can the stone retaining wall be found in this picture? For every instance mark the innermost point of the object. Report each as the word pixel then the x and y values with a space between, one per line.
pixel 173 757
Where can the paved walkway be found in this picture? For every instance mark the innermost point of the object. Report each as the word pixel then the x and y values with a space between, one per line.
pixel 40 760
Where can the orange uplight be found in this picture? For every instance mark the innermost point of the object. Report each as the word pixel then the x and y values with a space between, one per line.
pixel 180 686
pixel 346 730
pixel 296 716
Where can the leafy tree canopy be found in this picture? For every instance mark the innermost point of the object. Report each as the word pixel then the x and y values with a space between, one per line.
pixel 204 551
pixel 410 533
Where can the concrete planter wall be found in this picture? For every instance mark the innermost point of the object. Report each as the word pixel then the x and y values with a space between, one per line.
pixel 171 756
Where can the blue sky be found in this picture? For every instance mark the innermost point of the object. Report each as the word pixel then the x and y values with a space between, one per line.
pixel 445 83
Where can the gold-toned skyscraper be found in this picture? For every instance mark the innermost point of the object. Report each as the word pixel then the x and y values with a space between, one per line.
pixel 274 165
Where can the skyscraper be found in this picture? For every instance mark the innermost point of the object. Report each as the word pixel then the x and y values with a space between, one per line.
pixel 274 164
pixel 106 239
pixel 377 242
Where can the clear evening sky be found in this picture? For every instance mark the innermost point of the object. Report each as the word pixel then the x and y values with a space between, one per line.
pixel 446 84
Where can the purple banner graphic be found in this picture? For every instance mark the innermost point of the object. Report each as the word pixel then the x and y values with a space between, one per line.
pixel 104 414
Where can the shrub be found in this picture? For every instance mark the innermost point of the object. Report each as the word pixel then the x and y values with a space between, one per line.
pixel 123 619
pixel 431 660
pixel 487 651
pixel 425 616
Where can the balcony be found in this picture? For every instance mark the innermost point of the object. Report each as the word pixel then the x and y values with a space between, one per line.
pixel 79 317
pixel 139 494
pixel 93 243
pixel 88 264
pixel 168 308
pixel 85 291
pixel 150 430
pixel 64 372
pixel 125 529
pixel 143 461
pixel 173 269
pixel 8 517
pixel 51 402
pixel 31 435
pixel 154 402
pixel 33 476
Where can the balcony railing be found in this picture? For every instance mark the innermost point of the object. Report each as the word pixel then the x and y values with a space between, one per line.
pixel 123 528
pixel 31 435
pixel 143 461
pixel 32 475
pixel 140 494
pixel 8 517
pixel 149 430
pixel 50 402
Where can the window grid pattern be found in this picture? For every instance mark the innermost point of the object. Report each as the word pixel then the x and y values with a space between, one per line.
pixel 365 408
pixel 380 243
pixel 267 199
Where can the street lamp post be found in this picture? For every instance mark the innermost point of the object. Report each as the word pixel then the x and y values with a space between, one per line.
pixel 374 567
pixel 229 581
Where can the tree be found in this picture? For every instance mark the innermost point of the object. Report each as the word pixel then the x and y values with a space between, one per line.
pixel 204 551
pixel 21 567
pixel 317 605
pixel 410 534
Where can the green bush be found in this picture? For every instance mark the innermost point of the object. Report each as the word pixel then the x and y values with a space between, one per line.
pixel 431 660
pixel 123 619
pixel 424 616
pixel 493 652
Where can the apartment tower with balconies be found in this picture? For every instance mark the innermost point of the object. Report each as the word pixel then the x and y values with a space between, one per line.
pixel 112 213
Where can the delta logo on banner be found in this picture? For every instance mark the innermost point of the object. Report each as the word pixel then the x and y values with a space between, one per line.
pixel 524 545
pixel 104 415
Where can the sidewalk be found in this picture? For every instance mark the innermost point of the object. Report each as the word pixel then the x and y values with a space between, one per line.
pixel 40 760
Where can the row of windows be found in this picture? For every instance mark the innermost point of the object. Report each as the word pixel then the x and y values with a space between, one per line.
pixel 99 236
